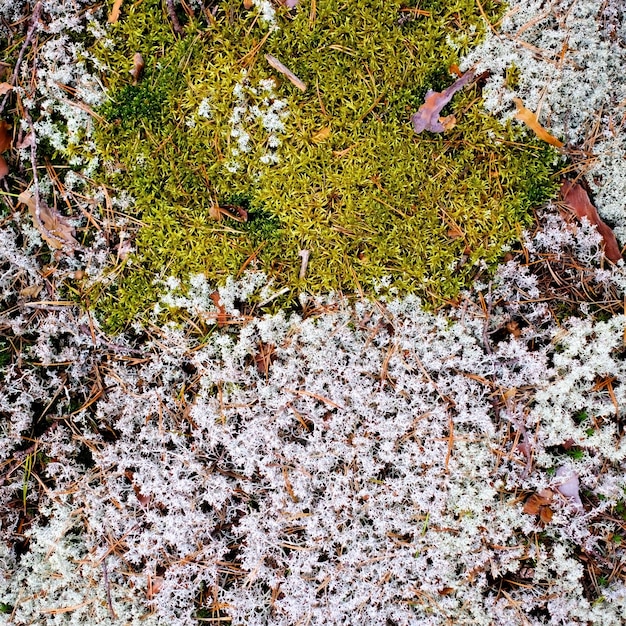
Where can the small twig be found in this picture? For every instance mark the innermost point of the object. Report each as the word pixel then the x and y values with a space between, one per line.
pixel 305 254
pixel 29 36
pixel 107 586
pixel 171 11
pixel 33 162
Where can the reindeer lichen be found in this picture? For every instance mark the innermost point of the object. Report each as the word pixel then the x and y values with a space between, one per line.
pixel 336 169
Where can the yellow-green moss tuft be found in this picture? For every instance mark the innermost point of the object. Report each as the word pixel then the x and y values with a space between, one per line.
pixel 337 170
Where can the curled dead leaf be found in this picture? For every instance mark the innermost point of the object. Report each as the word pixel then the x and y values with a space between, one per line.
pixel 427 116
pixel 55 229
pixel 138 65
pixel 4 167
pixel 577 200
pixel 4 88
pixel 530 119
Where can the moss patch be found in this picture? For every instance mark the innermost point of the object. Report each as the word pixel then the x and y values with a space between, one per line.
pixel 336 170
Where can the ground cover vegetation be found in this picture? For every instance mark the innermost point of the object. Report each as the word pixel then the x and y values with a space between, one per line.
pixel 209 129
pixel 330 458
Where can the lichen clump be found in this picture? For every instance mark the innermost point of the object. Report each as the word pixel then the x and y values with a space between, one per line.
pixel 336 169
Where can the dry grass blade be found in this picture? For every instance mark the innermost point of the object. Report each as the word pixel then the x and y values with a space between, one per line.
pixel 277 65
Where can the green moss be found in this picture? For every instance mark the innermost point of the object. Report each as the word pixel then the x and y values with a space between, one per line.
pixel 352 184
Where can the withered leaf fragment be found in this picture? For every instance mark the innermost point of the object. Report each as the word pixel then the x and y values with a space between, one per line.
pixel 5 136
pixel 539 504
pixel 222 315
pixel 138 65
pixel 321 135
pixel 577 200
pixel 55 229
pixel 427 116
pixel 530 119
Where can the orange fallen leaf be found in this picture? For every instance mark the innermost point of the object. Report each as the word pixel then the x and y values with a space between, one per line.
pixel 530 119
pixel 55 229
pixel 321 135
pixel 115 12
pixel 577 199
pixel 4 167
pixel 448 122
pixel 247 4
pixel 427 116
pixel 4 88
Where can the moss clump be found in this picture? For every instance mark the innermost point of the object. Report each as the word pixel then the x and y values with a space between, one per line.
pixel 336 169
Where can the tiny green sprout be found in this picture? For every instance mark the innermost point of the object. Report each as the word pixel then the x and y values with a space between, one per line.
pixel 581 416
pixel 28 465
pixel 576 453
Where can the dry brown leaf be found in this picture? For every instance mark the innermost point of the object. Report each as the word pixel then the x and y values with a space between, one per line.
pixel 427 117
pixel 31 292
pixel 6 137
pixel 115 11
pixel 577 199
pixel 4 167
pixel 277 65
pixel 4 88
pixel 138 65
pixel 539 504
pixel 321 135
pixel 55 229
pixel 545 514
pixel 530 119
pixel 222 315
